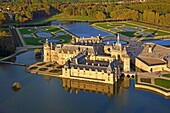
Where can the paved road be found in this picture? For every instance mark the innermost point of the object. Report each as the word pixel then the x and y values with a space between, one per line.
pixel 20 37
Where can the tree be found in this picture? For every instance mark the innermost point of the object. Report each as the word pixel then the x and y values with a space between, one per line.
pixel 100 16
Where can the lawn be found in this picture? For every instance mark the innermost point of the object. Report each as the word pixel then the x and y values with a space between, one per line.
pixel 166 75
pixel 62 17
pixel 4 29
pixel 66 38
pixel 119 25
pixel 129 34
pixel 52 29
pixel 162 82
pixel 158 33
pixel 27 30
pixel 32 41
pixel 105 25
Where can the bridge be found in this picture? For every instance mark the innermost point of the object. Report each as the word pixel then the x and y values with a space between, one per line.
pixel 13 63
pixel 129 74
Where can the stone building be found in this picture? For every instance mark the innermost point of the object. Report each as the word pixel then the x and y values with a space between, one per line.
pixel 89 59
pixel 153 58
pixel 118 53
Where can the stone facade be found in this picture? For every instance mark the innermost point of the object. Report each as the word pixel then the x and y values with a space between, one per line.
pixel 89 59
pixel 153 58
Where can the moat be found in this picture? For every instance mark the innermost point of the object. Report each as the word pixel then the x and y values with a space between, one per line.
pixel 48 95
pixel 42 94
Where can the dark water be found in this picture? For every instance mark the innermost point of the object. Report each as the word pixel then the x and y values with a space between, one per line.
pixel 111 42
pixel 160 42
pixel 85 30
pixel 40 94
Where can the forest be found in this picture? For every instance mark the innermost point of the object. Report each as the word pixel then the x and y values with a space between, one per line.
pixel 155 12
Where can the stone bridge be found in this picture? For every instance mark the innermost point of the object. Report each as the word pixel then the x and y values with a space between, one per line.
pixel 129 74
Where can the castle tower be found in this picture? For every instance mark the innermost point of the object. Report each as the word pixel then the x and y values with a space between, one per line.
pixel 118 45
pixel 47 52
pixel 126 61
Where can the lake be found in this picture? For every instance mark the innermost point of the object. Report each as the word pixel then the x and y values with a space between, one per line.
pixel 41 94
pixel 83 29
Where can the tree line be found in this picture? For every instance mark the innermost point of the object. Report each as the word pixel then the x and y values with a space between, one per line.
pixel 152 11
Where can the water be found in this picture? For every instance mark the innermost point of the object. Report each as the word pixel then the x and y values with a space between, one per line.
pixel 85 30
pixel 53 40
pixel 111 42
pixel 44 35
pixel 129 29
pixel 160 42
pixel 40 94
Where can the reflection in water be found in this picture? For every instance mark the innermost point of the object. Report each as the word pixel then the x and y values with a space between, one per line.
pixel 84 30
pixel 88 86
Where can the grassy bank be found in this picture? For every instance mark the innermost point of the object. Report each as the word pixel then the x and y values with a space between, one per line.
pixel 166 75
pixel 61 17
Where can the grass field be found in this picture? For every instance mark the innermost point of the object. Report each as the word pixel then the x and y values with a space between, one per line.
pixel 4 29
pixel 66 38
pixel 62 17
pixel 166 75
pixel 162 82
pixel 50 29
pixel 32 41
pixel 27 30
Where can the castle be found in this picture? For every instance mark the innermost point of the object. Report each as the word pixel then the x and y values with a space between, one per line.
pixel 89 59
pixel 153 58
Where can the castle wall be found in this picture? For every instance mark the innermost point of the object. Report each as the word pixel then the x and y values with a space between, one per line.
pixel 90 75
pixel 126 64
pixel 101 58
pixel 147 68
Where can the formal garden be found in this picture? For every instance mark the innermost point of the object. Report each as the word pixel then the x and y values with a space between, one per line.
pixel 129 29
pixel 37 35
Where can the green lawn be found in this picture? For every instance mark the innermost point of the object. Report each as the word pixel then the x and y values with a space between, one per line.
pixel 52 29
pixel 104 25
pixel 158 33
pixel 109 25
pixel 4 29
pixel 129 25
pixel 27 30
pixel 62 17
pixel 66 38
pixel 129 34
pixel 162 82
pixel 32 41
pixel 166 75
